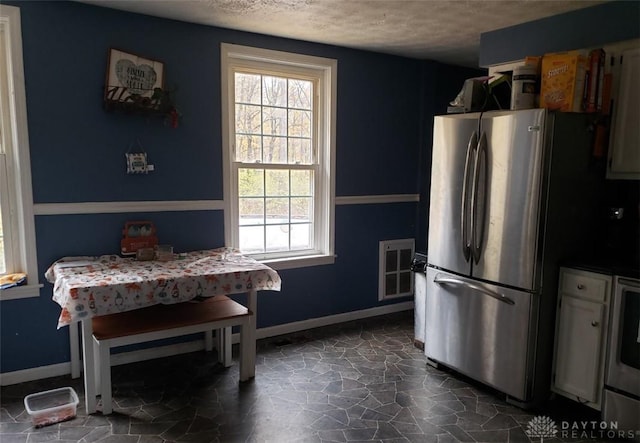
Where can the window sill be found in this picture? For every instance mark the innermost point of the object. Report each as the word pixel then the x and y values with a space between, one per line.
pixel 24 291
pixel 299 262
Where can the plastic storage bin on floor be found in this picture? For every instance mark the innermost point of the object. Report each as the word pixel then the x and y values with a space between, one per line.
pixel 49 407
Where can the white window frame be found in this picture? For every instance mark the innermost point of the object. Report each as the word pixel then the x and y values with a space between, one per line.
pixel 16 174
pixel 236 56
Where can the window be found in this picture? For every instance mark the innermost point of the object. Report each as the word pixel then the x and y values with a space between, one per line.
pixel 17 233
pixel 278 143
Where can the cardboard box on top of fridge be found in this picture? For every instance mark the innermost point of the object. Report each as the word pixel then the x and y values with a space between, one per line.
pixel 562 80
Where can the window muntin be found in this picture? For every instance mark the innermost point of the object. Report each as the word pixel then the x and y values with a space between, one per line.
pixel 279 149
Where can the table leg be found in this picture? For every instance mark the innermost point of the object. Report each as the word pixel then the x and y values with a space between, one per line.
pixel 248 340
pixel 89 368
pixel 104 352
pixel 220 344
pixel 74 345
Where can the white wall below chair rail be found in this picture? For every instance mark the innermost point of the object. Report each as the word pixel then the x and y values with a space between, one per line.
pixel 191 205
pixel 25 375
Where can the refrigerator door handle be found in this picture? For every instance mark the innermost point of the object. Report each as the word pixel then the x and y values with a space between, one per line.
pixel 454 281
pixel 478 195
pixel 466 202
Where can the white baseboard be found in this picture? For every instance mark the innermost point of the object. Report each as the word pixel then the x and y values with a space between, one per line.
pixel 303 325
pixel 25 375
pixel 11 378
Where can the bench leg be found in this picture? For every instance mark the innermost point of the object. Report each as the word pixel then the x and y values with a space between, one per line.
pixel 96 360
pixel 88 363
pixel 208 341
pixel 223 345
pixel 104 351
pixel 226 346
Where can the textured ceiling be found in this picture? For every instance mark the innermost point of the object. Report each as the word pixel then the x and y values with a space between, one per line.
pixel 446 31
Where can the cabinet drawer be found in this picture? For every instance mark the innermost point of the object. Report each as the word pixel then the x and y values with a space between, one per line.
pixel 585 285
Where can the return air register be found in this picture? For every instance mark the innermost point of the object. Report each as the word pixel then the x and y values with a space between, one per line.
pixel 395 278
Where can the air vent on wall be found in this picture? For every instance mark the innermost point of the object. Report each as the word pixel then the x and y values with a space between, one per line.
pixel 395 278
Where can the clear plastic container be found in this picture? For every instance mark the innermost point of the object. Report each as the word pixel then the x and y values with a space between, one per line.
pixel 49 407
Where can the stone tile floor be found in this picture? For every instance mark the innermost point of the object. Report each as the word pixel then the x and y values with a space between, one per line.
pixel 361 381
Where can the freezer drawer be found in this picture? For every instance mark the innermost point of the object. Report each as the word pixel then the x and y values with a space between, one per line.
pixel 480 330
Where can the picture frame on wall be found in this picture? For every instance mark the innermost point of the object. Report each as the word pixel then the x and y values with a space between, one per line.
pixel 132 79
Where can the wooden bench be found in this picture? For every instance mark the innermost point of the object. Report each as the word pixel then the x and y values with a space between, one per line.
pixel 160 321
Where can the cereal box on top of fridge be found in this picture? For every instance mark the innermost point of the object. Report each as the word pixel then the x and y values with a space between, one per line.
pixel 562 80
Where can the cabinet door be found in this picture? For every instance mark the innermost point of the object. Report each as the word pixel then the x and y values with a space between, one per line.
pixel 578 348
pixel 624 155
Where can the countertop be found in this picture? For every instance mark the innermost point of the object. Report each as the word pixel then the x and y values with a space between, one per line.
pixel 610 264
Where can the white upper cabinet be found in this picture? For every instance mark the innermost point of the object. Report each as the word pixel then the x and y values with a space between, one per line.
pixel 624 144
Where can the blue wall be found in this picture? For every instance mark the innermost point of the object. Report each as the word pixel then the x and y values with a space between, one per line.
pixel 585 28
pixel 77 155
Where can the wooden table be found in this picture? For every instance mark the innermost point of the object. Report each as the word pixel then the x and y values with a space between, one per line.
pixel 87 287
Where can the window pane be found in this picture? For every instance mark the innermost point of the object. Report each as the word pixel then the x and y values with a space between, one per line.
pixel 301 236
pixel 251 211
pixel 299 123
pixel 391 283
pixel 248 148
pixel 405 282
pixel 274 91
pixel 405 259
pixel 392 261
pixel 277 238
pixel 274 121
pixel 247 88
pixel 301 210
pixel 250 182
pixel 277 210
pixel 300 151
pixel 275 150
pixel 277 182
pixel 252 239
pixel 300 94
pixel 248 119
pixel 301 183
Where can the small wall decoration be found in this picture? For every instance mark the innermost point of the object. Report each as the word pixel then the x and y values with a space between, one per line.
pixel 132 79
pixel 136 161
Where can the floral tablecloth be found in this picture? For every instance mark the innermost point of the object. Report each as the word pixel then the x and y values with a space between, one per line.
pixel 89 286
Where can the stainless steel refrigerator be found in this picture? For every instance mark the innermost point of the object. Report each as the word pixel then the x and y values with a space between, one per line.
pixel 512 193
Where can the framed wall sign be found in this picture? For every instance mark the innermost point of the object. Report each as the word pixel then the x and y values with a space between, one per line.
pixel 132 79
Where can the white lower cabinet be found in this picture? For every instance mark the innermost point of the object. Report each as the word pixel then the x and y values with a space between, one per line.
pixel 581 335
